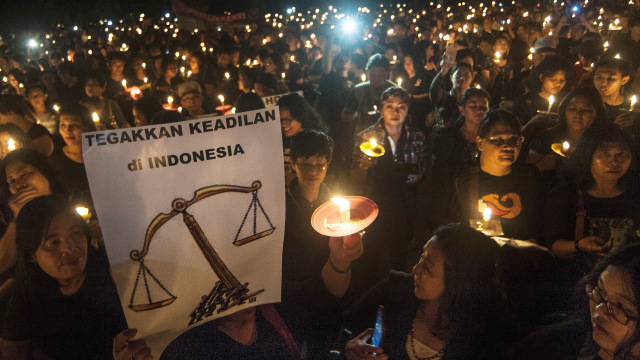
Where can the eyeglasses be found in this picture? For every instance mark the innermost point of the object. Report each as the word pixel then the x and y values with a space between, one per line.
pixel 309 167
pixel 596 295
pixel 286 121
pixel 190 99
pixel 512 141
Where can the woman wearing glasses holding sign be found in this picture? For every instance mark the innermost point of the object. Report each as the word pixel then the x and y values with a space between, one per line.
pixel 609 329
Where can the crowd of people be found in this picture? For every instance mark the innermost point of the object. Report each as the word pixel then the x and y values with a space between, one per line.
pixel 500 144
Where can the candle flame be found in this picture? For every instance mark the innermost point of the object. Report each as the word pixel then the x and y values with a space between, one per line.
pixel 373 142
pixel 486 214
pixel 221 98
pixel 226 75
pixel 552 99
pixel 11 145
pixel 634 100
pixel 345 209
pixel 565 146
pixel 124 83
pixel 82 211
pixel 95 117
pixel 170 100
pixel 363 77
pixel 56 108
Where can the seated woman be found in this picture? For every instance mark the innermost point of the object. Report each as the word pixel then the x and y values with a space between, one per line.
pixel 24 175
pixel 510 194
pixel 579 110
pixel 65 305
pixel 68 162
pixel 14 109
pixel 596 208
pixel 605 326
pixel 548 78
pixel 449 308
pixel 296 115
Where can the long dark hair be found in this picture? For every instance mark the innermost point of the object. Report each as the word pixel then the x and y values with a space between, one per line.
pixel 302 111
pixel 593 97
pixel 32 225
pixel 628 260
pixel 578 168
pixel 33 158
pixel 470 306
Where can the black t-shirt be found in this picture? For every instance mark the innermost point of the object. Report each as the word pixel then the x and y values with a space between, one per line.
pixel 73 177
pixel 617 217
pixel 513 199
pixel 80 326
pixel 506 199
pixel 207 342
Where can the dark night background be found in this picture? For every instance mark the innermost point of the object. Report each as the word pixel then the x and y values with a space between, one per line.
pixel 16 15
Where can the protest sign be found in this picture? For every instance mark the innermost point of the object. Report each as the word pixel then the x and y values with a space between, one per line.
pixel 192 215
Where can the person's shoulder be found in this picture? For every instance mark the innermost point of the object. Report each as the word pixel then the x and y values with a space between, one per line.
pixel 193 341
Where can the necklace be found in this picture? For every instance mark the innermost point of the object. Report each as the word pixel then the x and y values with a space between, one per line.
pixel 413 349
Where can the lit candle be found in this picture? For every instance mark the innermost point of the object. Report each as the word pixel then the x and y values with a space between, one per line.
pixel 363 77
pixel 633 102
pixel 182 71
pixel 145 79
pixel 56 108
pixel 226 75
pixel 565 147
pixel 283 75
pixel 124 83
pixel 11 145
pixel 180 109
pixel 345 209
pixel 486 214
pixel 170 101
pixel 399 81
pixel 618 56
pixel 498 55
pixel 375 107
pixel 293 58
pixel 552 99
pixel 83 212
pixel 95 117
pixel 221 98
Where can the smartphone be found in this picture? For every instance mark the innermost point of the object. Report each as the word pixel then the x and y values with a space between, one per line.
pixel 378 329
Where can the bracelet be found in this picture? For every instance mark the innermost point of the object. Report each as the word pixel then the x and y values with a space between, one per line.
pixel 576 245
pixel 338 270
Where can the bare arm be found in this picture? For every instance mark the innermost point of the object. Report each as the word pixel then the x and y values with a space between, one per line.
pixel 336 273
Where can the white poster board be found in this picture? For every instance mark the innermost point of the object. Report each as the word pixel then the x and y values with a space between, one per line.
pixel 192 215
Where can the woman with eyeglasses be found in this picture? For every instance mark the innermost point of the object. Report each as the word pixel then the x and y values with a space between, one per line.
pixel 296 115
pixel 596 207
pixel 496 190
pixel 606 327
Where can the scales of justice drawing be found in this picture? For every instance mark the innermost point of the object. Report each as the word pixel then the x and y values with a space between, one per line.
pixel 228 291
